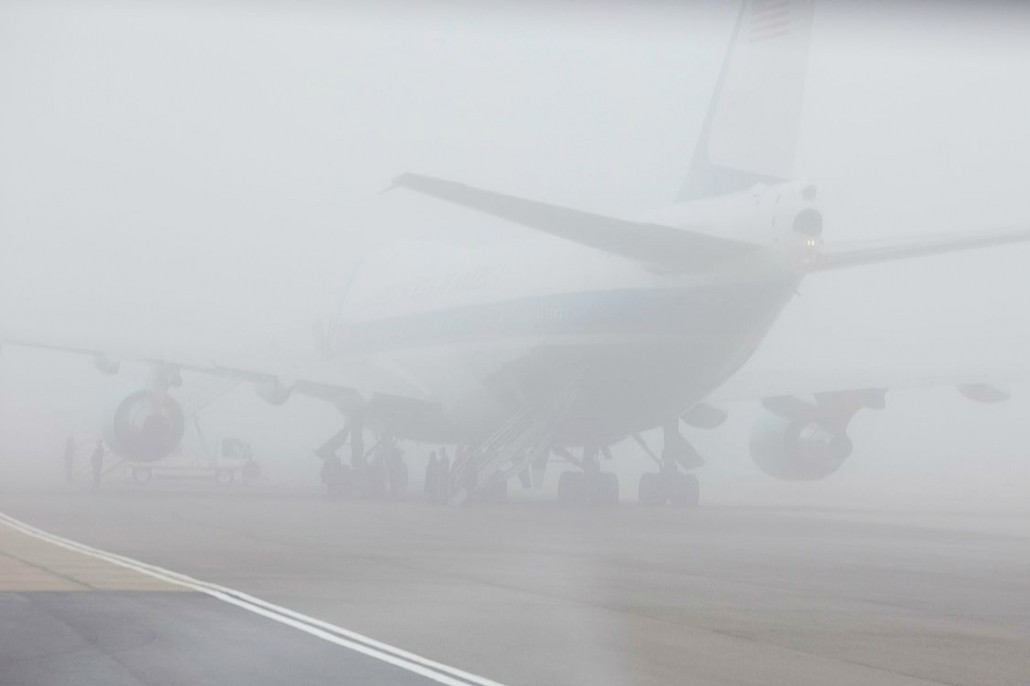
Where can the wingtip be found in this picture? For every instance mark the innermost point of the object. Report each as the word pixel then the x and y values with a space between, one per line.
pixel 398 182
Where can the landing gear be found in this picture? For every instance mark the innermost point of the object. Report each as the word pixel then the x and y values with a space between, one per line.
pixel 338 478
pixel 671 485
pixel 378 473
pixel 590 486
pixel 571 488
pixel 673 488
pixel 684 490
pixel 650 491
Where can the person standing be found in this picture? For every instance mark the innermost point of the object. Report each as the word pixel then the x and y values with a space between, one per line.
pixel 69 459
pixel 97 462
pixel 432 488
pixel 444 475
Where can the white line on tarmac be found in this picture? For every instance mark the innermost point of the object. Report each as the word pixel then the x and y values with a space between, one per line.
pixel 378 650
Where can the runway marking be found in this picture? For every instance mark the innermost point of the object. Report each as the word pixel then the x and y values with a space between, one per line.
pixel 326 631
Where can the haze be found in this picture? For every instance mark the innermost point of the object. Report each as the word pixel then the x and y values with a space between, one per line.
pixel 451 391
pixel 205 175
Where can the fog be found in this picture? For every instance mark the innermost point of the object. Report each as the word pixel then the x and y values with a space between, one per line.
pixel 256 197
pixel 202 177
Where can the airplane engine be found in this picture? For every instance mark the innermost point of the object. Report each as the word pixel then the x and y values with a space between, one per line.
pixel 798 449
pixel 274 391
pixel 145 426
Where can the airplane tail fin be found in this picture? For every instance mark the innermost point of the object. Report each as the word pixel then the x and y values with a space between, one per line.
pixel 750 133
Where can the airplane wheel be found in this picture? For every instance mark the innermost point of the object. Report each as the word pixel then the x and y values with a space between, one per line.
pixel 608 489
pixel 250 471
pixel 650 490
pixel 684 490
pixel 142 475
pixel 224 477
pixel 371 479
pixel 572 488
pixel 340 482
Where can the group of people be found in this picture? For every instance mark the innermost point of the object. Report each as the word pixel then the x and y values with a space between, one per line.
pixel 96 460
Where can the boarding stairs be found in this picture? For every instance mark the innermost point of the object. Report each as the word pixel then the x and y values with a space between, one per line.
pixel 512 448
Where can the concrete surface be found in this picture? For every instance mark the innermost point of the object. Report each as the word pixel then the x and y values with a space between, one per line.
pixel 537 594
pixel 68 618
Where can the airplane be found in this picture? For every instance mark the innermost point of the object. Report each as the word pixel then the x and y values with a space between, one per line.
pixel 517 352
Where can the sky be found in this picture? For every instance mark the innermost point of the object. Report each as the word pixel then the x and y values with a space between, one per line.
pixel 204 174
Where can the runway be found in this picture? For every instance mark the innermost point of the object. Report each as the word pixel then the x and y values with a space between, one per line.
pixel 536 594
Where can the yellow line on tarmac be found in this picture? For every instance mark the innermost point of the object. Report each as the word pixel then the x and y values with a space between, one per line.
pixel 30 564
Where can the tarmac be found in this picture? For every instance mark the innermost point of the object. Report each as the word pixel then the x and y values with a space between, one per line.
pixel 525 593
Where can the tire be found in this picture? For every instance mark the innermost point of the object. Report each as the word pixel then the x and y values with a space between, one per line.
pixel 340 482
pixel 250 471
pixel 142 475
pixel 575 491
pixel 650 492
pixel 371 480
pixel 684 490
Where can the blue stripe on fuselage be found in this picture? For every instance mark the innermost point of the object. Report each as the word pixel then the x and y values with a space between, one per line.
pixel 715 311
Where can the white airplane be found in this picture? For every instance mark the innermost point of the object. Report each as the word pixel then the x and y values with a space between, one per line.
pixel 623 326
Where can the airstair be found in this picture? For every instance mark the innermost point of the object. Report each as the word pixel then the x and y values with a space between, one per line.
pixel 522 440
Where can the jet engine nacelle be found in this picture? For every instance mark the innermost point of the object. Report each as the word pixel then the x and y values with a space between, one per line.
pixel 273 391
pixel 798 449
pixel 145 426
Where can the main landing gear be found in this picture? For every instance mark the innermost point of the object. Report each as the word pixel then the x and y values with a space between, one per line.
pixel 590 485
pixel 673 488
pixel 377 473
pixel 447 481
pixel 671 484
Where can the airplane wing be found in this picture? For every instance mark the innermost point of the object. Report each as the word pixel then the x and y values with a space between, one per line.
pixel 359 382
pixel 657 245
pixel 850 255
pixel 784 386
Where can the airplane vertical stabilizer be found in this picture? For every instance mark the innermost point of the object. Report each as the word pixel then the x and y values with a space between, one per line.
pixel 751 130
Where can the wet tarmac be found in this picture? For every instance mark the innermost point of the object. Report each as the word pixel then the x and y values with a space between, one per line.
pixel 524 593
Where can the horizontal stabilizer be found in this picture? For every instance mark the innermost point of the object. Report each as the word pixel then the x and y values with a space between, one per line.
pixel 655 245
pixel 844 255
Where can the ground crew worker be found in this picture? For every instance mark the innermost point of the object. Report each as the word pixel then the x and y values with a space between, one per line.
pixel 97 462
pixel 444 474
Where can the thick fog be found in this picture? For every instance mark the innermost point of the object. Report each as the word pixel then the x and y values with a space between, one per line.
pixel 203 177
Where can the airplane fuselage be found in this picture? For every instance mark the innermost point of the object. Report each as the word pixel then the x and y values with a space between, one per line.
pixel 490 331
